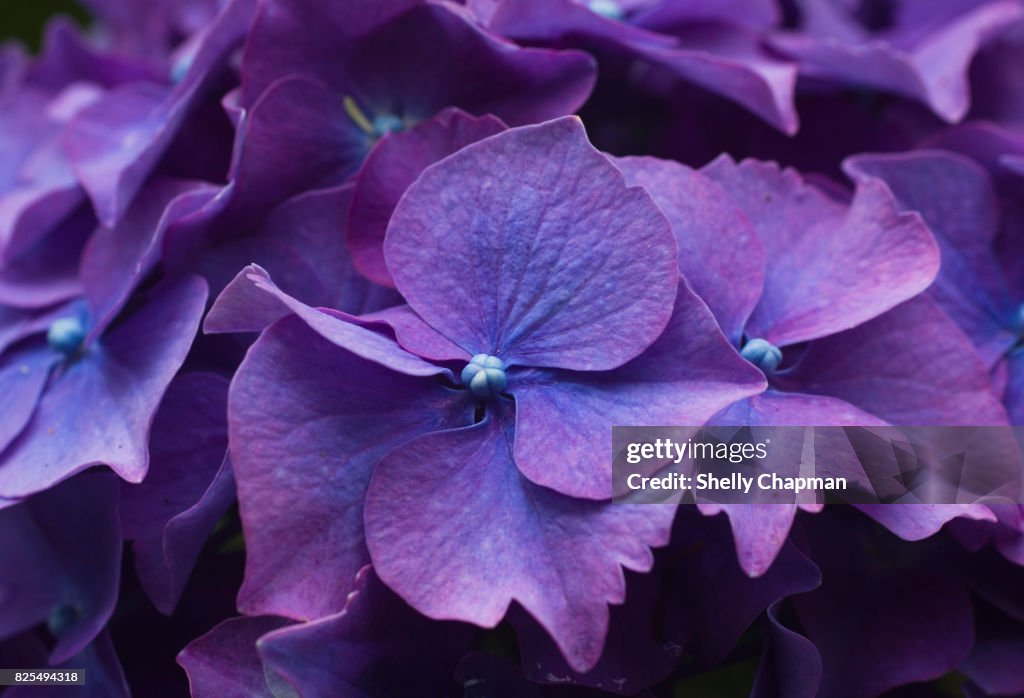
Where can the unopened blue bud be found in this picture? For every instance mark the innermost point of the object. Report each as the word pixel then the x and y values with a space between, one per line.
pixel 485 376
pixel 387 123
pixel 606 8
pixel 763 354
pixel 61 618
pixel 66 335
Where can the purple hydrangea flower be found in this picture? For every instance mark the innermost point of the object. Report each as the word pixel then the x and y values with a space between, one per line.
pixel 581 328
pixel 87 387
pixel 817 308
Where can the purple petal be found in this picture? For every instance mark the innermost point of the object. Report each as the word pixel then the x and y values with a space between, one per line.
pixel 910 366
pixel 714 600
pixel 223 663
pixel 733 63
pixel 919 521
pixel 188 488
pixel 719 252
pixel 414 57
pixel 556 262
pixel 99 409
pixel 848 265
pixel 388 171
pixel 958 202
pixel 790 667
pixel 23 376
pixel 451 557
pixel 636 655
pixel 416 336
pixel 931 68
pixel 566 418
pixel 375 646
pixel 301 243
pixel 880 603
pixel 245 308
pixel 61 553
pixel 115 144
pixel 116 260
pixel 308 423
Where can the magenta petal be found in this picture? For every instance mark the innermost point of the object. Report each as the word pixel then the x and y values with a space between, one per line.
pixel 376 646
pixel 98 410
pixel 909 366
pixel 61 549
pixel 308 422
pixel 556 262
pixel 456 530
pixel 388 171
pixel 829 266
pixel 719 252
pixel 188 488
pixel 244 307
pixel 564 420
pixel 223 663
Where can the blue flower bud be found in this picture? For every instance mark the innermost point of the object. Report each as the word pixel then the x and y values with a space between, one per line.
pixel 66 335
pixel 61 618
pixel 606 8
pixel 763 354
pixel 387 123
pixel 485 376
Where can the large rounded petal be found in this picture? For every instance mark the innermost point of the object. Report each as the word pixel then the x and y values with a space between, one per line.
pixel 830 266
pixel 308 423
pixel 719 252
pixel 456 530
pixel 548 258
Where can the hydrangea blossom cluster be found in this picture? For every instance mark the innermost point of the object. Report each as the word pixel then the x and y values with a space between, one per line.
pixel 316 317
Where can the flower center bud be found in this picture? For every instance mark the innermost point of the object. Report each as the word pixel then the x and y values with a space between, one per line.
pixel 608 9
pixel 66 335
pixel 485 377
pixel 377 127
pixel 763 354
pixel 61 618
